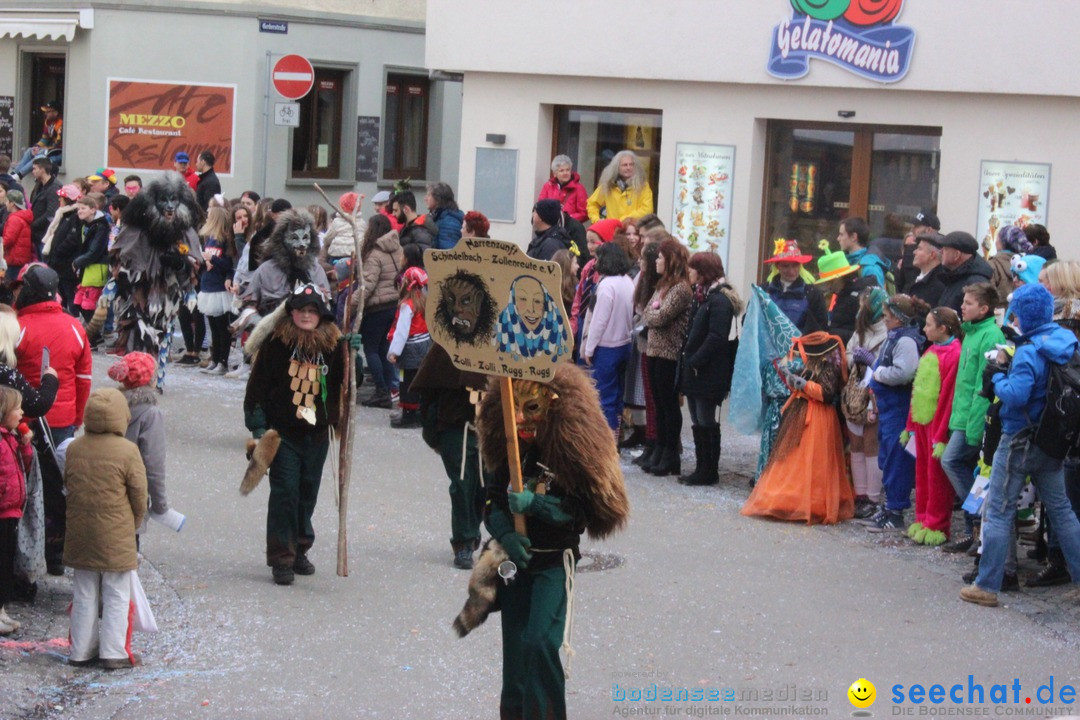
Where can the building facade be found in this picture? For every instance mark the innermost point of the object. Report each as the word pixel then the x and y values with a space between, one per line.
pixel 776 118
pixel 140 80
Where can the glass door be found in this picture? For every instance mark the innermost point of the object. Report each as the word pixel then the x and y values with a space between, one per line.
pixel 820 173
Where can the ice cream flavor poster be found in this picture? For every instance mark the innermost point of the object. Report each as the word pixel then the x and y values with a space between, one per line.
pixel 1010 193
pixel 701 214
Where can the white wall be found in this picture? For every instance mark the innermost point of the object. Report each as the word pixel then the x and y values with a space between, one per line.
pixel 991 46
pixel 974 128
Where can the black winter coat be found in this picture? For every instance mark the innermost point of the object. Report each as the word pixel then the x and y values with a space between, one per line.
pixel 549 242
pixel 974 270
pixel 66 242
pixel 43 202
pixel 930 288
pixel 846 308
pixel 95 243
pixel 708 356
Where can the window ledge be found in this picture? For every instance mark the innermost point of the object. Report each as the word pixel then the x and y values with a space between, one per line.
pixel 323 182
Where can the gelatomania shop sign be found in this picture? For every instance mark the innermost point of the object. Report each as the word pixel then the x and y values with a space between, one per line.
pixel 860 36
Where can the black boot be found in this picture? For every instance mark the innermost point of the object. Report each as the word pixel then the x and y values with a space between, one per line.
pixel 650 457
pixel 635 439
pixel 668 464
pixel 1056 571
pixel 701 453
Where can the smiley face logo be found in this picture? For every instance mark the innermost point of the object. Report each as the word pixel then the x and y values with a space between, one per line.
pixel 862 693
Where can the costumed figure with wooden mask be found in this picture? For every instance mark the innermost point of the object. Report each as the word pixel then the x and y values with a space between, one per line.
pixel 572 484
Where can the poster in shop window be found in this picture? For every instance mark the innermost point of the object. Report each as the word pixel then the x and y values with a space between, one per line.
pixel 1010 193
pixel 701 212
pixel 149 122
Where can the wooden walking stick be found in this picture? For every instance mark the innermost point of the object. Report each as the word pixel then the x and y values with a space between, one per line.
pixel 513 452
pixel 348 392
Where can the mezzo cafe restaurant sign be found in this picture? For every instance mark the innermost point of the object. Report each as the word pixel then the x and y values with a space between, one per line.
pixel 859 36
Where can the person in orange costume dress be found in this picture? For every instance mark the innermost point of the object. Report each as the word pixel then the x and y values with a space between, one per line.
pixel 806 477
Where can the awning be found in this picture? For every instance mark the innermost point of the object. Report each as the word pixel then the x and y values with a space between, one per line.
pixel 44 24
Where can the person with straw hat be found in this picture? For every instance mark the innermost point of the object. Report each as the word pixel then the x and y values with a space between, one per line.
pixel 801 302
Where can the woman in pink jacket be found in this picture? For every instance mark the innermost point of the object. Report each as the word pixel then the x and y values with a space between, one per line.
pixel 565 186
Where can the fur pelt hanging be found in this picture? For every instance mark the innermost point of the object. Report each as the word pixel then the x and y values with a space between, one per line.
pixel 483 586
pixel 575 444
pixel 260 455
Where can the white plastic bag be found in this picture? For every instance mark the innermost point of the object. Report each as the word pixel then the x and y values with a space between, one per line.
pixel 142 617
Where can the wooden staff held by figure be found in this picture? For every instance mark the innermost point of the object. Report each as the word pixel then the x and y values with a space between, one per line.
pixel 513 452
pixel 348 390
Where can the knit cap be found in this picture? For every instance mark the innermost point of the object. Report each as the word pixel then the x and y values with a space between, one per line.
pixel 606 228
pixel 550 211
pixel 1033 306
pixel 1014 239
pixel 134 370
pixel 347 202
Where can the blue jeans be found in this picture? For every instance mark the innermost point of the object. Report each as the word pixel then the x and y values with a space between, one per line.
pixel 1015 459
pixel 609 373
pixel 374 328
pixel 22 167
pixel 959 463
pixel 897 465
pixel 1072 491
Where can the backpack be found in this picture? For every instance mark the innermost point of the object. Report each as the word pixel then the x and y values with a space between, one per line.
pixel 1058 431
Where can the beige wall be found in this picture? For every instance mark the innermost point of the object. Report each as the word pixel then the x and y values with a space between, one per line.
pixel 974 128
pixel 994 46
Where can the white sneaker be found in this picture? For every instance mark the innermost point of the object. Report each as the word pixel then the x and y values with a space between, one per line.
pixel 240 373
pixel 5 620
pixel 211 369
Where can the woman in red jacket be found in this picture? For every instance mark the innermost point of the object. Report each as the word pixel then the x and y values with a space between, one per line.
pixel 18 246
pixel 565 186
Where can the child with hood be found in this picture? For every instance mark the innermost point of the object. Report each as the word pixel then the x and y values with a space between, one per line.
pixel 1021 387
pixel 136 372
pixel 106 501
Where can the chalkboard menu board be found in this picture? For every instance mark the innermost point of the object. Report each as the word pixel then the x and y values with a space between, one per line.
pixel 495 186
pixel 7 126
pixel 367 148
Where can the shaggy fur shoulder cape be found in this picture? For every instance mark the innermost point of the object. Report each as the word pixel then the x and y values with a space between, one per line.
pixel 575 443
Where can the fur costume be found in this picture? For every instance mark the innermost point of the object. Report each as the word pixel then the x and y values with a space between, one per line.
pixel 155 257
pixel 575 444
pixel 292 257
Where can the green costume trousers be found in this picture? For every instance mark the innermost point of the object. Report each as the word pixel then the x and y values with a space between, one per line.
pixel 533 618
pixel 466 495
pixel 295 475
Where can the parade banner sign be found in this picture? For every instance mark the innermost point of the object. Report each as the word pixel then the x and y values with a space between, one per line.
pixel 149 122
pixel 497 311
pixel 1010 193
pixel 701 214
pixel 859 36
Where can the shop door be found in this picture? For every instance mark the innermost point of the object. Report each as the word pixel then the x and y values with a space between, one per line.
pixel 820 173
pixel 47 76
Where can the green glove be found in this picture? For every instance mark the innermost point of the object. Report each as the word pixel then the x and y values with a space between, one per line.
pixel 517 547
pixel 355 340
pixel 498 522
pixel 939 450
pixel 905 437
pixel 255 421
pixel 549 509
pixel 520 502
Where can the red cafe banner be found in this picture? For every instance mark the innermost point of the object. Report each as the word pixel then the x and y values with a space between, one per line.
pixel 149 122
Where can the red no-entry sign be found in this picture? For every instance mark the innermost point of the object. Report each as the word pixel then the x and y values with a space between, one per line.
pixel 293 76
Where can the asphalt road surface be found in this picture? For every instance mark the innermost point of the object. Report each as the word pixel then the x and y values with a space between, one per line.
pixel 766 618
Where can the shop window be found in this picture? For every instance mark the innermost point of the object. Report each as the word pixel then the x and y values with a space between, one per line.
pixel 820 173
pixel 316 151
pixel 406 126
pixel 592 136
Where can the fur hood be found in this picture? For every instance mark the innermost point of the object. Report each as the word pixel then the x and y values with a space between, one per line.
pixel 278 324
pixel 733 296
pixel 143 214
pixel 277 252
pixel 575 443
pixel 145 395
